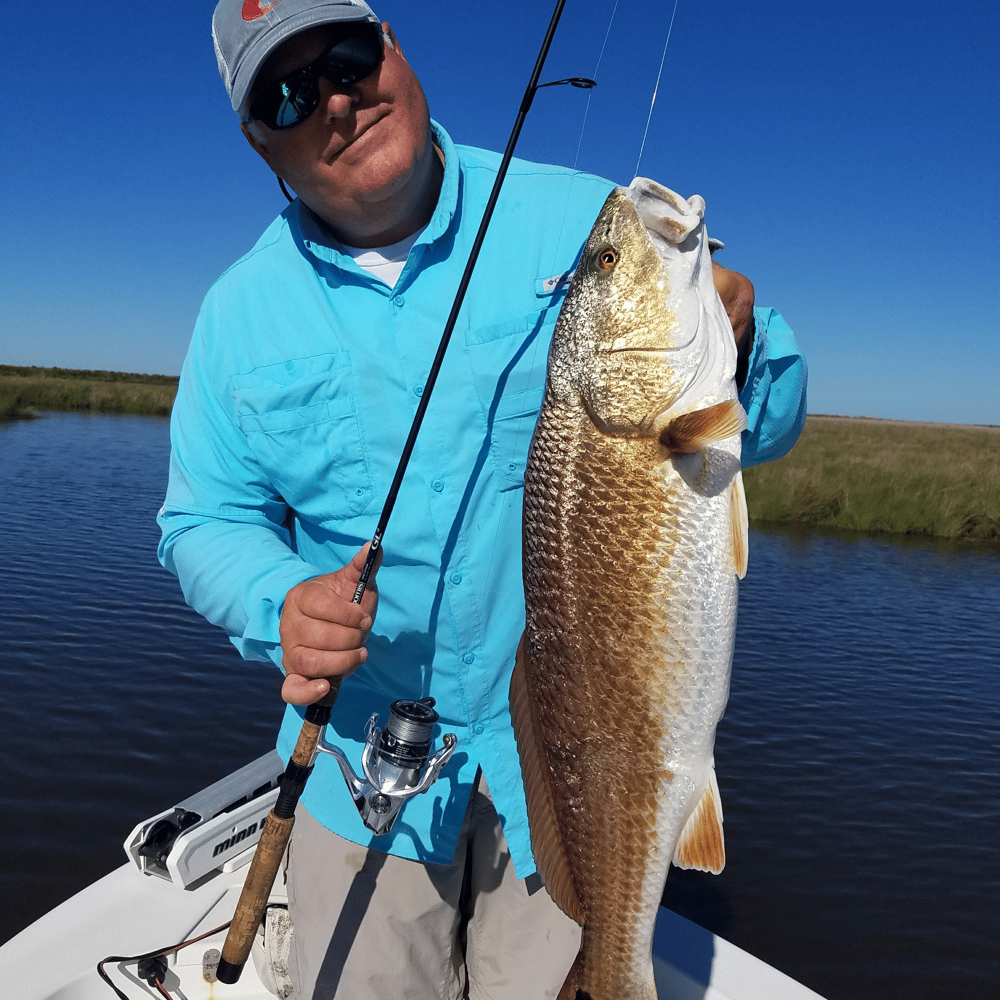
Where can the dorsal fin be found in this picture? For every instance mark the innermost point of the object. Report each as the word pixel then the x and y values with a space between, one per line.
pixel 701 844
pixel 740 523
pixel 690 432
pixel 546 839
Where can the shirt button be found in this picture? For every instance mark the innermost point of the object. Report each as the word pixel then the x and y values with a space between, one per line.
pixel 289 365
pixel 478 728
pixel 469 658
pixel 456 578
pixel 398 300
pixel 419 390
pixel 437 486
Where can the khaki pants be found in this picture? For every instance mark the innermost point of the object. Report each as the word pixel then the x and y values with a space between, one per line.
pixel 369 926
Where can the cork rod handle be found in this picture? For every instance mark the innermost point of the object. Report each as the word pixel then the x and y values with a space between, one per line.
pixel 273 841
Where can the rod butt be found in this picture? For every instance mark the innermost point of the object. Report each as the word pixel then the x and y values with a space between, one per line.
pixel 228 973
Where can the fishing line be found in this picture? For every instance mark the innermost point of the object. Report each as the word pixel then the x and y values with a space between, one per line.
pixel 516 447
pixel 590 96
pixel 516 444
pixel 663 59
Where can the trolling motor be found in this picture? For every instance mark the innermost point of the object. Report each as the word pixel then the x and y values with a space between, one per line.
pixel 397 762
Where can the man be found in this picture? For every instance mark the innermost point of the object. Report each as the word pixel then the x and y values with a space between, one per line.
pixel 296 397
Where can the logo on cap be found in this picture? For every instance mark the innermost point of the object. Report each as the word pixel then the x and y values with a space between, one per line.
pixel 252 9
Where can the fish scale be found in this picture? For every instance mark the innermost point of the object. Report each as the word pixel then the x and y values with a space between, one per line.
pixel 631 552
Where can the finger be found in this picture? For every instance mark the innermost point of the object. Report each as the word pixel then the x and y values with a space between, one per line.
pixel 323 604
pixel 299 690
pixel 355 569
pixel 737 295
pixel 361 557
pixel 315 616
pixel 315 664
pixel 317 634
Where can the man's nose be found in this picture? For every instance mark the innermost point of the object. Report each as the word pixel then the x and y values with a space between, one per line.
pixel 338 101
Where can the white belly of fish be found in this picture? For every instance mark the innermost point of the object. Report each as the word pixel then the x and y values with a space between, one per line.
pixel 699 615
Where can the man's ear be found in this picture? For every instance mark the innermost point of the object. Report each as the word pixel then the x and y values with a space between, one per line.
pixel 391 38
pixel 255 139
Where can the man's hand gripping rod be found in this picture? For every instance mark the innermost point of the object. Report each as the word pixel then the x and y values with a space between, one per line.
pixel 278 825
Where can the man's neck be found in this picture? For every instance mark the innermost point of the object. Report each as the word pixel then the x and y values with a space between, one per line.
pixel 382 224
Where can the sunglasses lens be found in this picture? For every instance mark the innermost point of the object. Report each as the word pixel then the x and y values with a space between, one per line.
pixel 294 98
pixel 353 58
pixel 297 102
pixel 287 102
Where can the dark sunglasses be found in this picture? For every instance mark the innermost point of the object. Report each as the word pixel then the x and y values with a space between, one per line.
pixel 294 97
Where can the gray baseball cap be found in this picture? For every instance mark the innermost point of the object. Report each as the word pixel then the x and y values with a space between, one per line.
pixel 246 32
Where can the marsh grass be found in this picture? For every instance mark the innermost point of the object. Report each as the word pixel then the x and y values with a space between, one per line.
pixel 845 472
pixel 885 476
pixel 24 391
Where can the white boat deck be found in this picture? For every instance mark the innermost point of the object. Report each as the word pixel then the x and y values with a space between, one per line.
pixel 127 913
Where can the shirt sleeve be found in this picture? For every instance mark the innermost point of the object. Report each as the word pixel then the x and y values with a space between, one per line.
pixel 223 527
pixel 774 394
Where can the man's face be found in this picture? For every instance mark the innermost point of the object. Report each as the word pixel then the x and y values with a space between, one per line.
pixel 363 156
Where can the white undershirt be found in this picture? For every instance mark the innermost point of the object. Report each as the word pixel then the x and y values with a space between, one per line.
pixel 384 263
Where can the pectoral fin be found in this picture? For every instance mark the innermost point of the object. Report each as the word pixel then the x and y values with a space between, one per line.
pixel 546 839
pixel 690 432
pixel 701 844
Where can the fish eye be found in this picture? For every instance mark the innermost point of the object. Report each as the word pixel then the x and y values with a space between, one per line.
pixel 606 258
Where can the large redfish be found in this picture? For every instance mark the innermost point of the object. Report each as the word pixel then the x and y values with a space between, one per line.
pixel 635 531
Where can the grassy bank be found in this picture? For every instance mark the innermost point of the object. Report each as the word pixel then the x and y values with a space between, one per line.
pixel 885 476
pixel 23 391
pixel 845 472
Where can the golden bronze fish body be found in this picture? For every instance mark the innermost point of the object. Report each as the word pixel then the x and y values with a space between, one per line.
pixel 631 553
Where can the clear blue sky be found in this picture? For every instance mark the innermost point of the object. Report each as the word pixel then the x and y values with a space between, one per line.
pixel 848 154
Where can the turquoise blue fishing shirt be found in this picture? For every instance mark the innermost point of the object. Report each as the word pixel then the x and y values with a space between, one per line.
pixel 296 396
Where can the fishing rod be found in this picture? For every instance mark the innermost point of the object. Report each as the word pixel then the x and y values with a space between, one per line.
pixel 278 826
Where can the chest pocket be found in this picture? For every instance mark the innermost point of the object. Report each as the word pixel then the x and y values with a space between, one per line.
pixel 509 362
pixel 299 418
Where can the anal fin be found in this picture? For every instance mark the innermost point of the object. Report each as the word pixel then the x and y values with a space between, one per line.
pixel 690 432
pixel 546 839
pixel 701 844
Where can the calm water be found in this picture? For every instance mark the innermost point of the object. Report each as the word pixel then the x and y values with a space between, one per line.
pixel 858 759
